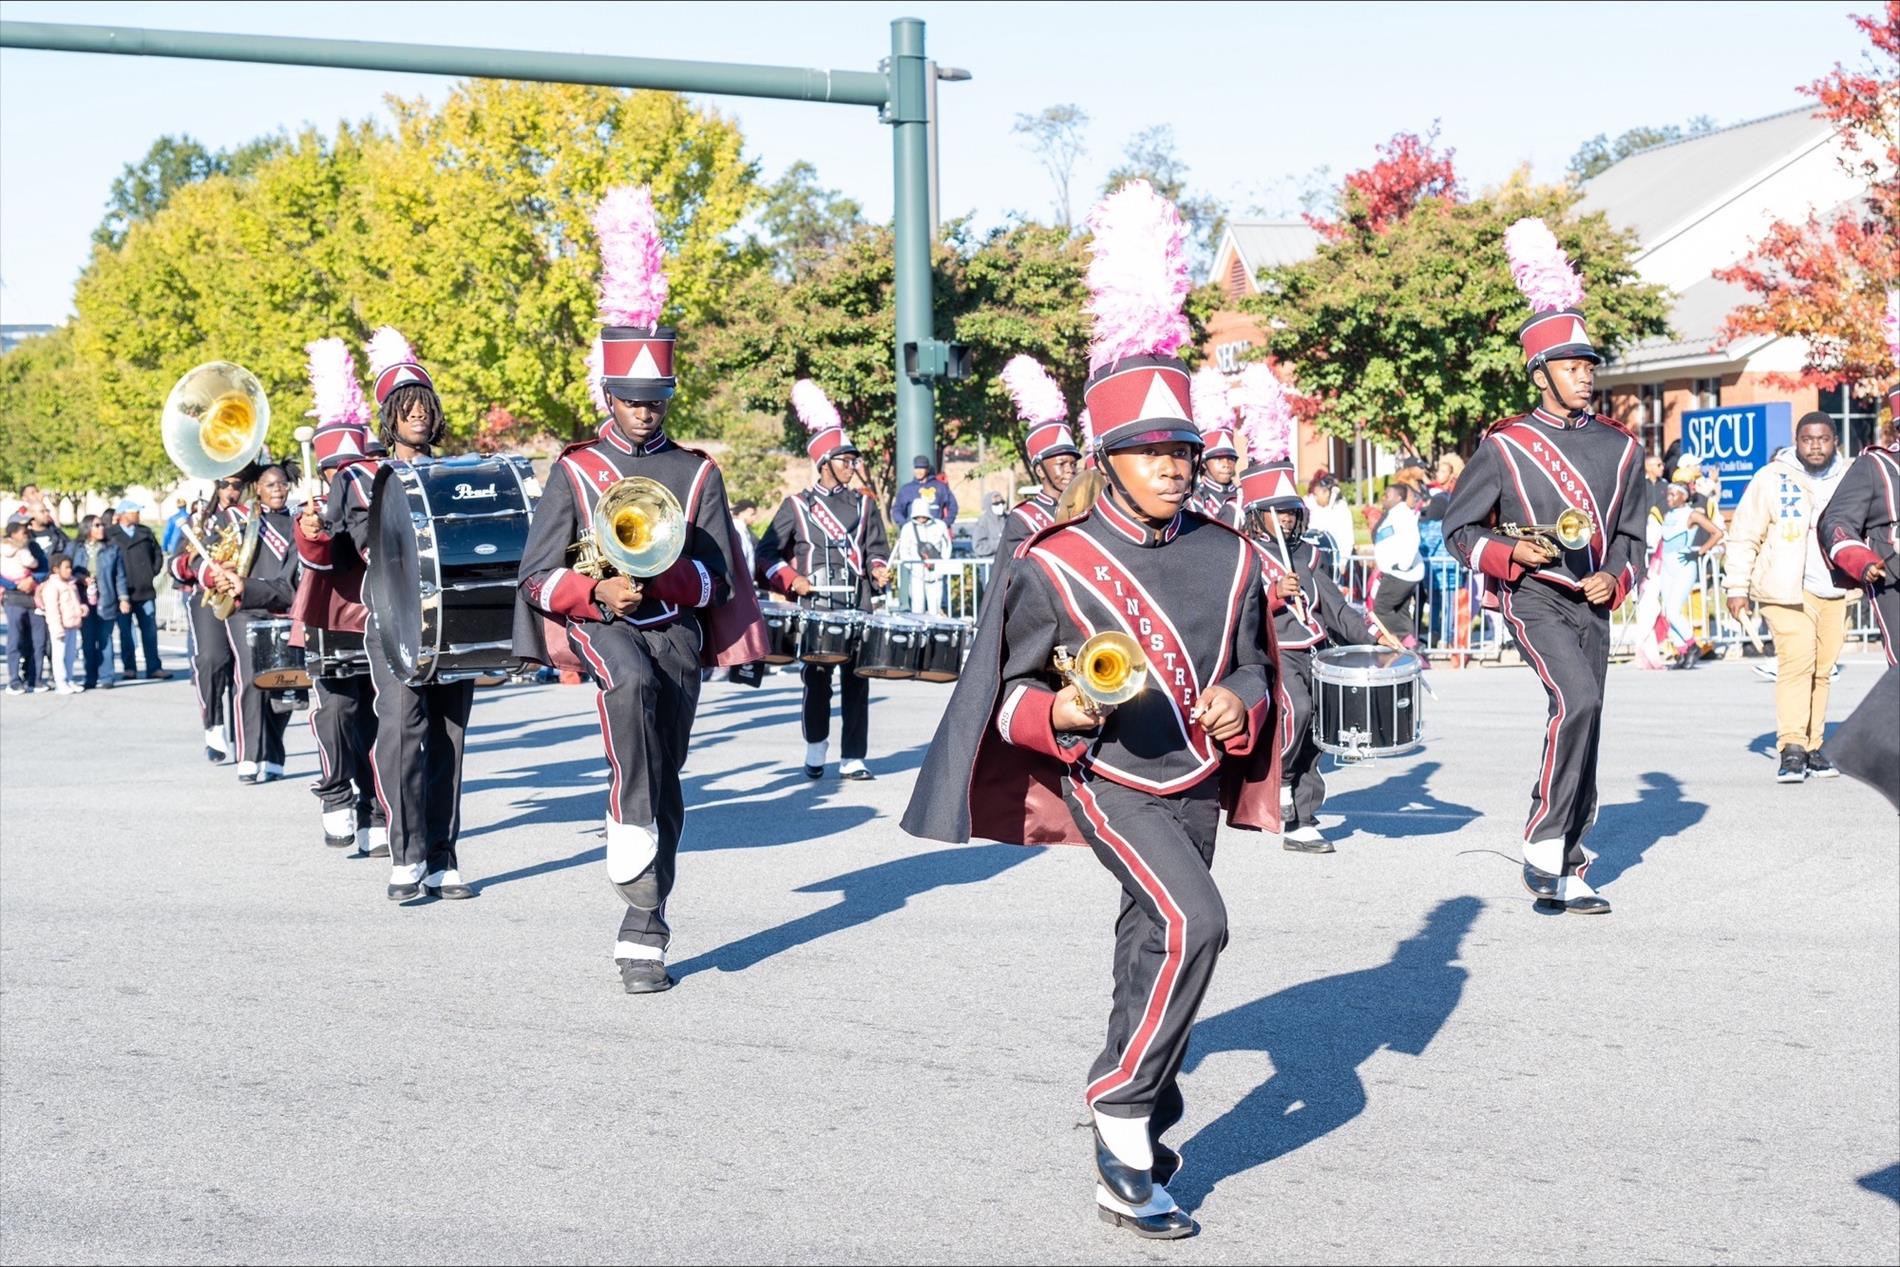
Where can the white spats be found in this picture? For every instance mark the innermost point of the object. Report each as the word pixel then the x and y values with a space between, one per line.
pixel 447 878
pixel 630 850
pixel 273 769
pixel 634 950
pixel 1159 1203
pixel 339 822
pixel 1546 855
pixel 1127 1138
pixel 1574 887
pixel 815 753
pixel 245 768
pixel 851 767
pixel 405 873
pixel 1308 835
pixel 214 740
pixel 374 838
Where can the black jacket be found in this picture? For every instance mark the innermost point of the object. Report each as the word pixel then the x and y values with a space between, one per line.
pixel 143 560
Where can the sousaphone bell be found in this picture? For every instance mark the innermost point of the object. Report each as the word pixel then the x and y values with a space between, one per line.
pixel 215 420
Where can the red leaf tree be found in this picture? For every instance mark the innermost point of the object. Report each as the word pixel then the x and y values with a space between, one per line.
pixel 1824 278
pixel 1409 169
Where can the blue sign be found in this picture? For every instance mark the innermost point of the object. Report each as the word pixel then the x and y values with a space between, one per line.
pixel 1735 442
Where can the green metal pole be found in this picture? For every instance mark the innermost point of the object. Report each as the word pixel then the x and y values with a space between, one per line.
pixel 909 117
pixel 848 87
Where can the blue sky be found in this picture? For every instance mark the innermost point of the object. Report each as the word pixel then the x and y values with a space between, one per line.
pixel 1257 95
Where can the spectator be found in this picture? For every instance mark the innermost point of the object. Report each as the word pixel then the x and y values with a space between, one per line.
pixel 923 551
pixel 60 608
pixel 1775 559
pixel 22 568
pixel 174 532
pixel 31 499
pixel 1399 569
pixel 103 568
pixel 1438 492
pixel 1655 484
pixel 923 477
pixel 1331 517
pixel 48 536
pixel 744 513
pixel 987 534
pixel 1679 568
pixel 143 560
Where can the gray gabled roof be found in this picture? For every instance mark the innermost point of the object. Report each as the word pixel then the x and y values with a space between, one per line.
pixel 1273 243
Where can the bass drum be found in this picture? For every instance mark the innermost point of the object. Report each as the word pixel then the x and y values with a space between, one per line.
pixel 945 642
pixel 275 664
pixel 781 632
pixel 446 539
pixel 1366 702
pixel 892 647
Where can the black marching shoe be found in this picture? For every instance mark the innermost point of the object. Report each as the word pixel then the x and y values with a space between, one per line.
pixel 213 755
pixel 1819 767
pixel 449 892
pixel 1794 765
pixel 1124 1182
pixel 340 842
pixel 1171 1226
pixel 855 772
pixel 1542 885
pixel 814 772
pixel 644 976
pixel 403 892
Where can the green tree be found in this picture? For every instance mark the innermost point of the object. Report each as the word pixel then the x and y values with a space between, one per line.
pixel 1599 152
pixel 49 411
pixel 1411 332
pixel 804 224
pixel 141 191
pixel 1058 137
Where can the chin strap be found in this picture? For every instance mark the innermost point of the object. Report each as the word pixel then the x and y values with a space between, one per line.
pixel 1550 382
pixel 1128 500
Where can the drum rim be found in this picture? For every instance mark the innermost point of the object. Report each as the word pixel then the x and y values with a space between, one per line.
pixel 1405 668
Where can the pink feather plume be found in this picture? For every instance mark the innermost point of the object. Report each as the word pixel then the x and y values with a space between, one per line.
pixel 334 387
pixel 1890 325
pixel 1266 414
pixel 596 372
pixel 1138 276
pixel 633 285
pixel 1038 397
pixel 1540 268
pixel 1086 425
pixel 813 407
pixel 387 347
pixel 1207 396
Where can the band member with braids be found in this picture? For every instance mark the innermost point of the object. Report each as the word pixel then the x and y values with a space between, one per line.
pixel 1306 606
pixel 1860 529
pixel 1022 757
pixel 827 548
pixel 264 590
pixel 1216 494
pixel 1052 457
pixel 1556 601
pixel 645 639
pixel 330 600
pixel 415 760
pixel 211 663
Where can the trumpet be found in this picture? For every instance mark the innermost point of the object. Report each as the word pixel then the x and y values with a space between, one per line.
pixel 637 530
pixel 1570 532
pixel 1109 670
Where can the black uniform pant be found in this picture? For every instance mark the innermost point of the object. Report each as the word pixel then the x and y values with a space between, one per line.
pixel 211 660
pixel 343 722
pixel 1299 757
pixel 1567 642
pixel 260 728
pixel 649 693
pixel 1171 929
pixel 856 706
pixel 1392 604
pixel 416 762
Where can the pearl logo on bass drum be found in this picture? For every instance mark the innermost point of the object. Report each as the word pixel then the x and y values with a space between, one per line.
pixel 469 493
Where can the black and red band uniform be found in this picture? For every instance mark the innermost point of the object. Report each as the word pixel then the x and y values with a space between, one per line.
pixel 1861 527
pixel 268 589
pixel 1038 510
pixel 211 661
pixel 1212 499
pixel 833 538
pixel 647 663
pixel 1527 470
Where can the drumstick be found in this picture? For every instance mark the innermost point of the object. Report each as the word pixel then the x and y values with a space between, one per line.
pixel 1299 608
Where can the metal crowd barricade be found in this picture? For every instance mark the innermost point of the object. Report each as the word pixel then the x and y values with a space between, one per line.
pixel 962 582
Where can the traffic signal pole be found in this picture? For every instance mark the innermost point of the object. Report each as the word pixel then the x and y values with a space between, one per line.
pixel 901 94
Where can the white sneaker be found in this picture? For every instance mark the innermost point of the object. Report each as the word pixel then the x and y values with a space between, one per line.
pixel 15 690
pixel 71 689
pixel 1768 672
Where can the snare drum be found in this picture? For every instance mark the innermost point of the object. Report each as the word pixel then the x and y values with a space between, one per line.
pixel 828 637
pixel 275 664
pixel 945 641
pixel 781 632
pixel 1366 701
pixel 892 646
pixel 332 653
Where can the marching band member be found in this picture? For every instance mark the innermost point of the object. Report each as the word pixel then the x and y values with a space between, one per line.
pixel 265 590
pixel 1557 602
pixel 330 598
pixel 211 662
pixel 1052 457
pixel 1020 757
pixel 1216 494
pixel 1307 608
pixel 644 640
pixel 415 759
pixel 827 547
pixel 1860 529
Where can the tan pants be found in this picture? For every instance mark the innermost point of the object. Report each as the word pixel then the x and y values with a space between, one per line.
pixel 1808 641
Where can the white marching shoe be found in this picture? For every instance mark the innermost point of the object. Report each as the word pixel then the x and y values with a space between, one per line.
pixel 339 827
pixel 631 850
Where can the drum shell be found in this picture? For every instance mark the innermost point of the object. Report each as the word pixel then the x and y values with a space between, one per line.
pixel 273 664
pixel 781 632
pixel 334 653
pixel 447 539
pixel 1366 710
pixel 891 647
pixel 945 642
pixel 828 637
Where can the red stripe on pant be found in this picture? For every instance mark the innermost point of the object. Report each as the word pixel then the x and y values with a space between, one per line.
pixel 604 681
pixel 1550 731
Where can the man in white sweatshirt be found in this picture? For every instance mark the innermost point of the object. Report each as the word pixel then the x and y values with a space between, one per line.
pixel 1775 559
pixel 1399 569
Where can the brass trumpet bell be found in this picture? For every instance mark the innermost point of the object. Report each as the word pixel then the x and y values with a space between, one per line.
pixel 638 530
pixel 1110 669
pixel 215 420
pixel 1570 532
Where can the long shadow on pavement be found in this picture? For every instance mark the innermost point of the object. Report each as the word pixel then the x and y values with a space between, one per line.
pixel 1763 745
pixel 1317 1034
pixel 1624 833
pixel 1403 805
pixel 1885 1183
pixel 868 893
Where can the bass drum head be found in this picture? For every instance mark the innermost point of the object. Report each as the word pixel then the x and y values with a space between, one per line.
pixel 392 588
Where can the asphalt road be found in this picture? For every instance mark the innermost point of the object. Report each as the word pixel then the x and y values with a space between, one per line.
pixel 218 1040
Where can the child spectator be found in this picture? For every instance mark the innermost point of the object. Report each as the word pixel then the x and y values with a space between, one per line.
pixel 64 611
